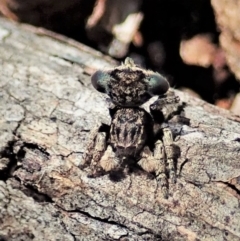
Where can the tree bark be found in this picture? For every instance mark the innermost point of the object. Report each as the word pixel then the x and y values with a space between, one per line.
pixel 48 107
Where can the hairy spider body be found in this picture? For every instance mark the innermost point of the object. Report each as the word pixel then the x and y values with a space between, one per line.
pixel 134 136
pixel 129 132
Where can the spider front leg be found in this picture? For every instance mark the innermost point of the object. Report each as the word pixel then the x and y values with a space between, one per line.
pixel 165 107
pixel 109 162
pixel 155 162
pixel 95 151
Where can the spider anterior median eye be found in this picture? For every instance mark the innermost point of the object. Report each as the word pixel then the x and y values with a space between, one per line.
pixel 100 80
pixel 157 84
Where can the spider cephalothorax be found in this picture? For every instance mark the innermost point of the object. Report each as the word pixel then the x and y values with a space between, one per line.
pixel 129 85
pixel 134 136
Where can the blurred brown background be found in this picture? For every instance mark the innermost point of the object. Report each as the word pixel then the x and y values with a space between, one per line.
pixel 195 44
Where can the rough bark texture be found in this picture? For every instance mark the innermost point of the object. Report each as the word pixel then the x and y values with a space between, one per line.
pixel 48 107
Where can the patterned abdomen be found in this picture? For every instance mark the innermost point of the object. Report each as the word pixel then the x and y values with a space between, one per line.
pixel 129 131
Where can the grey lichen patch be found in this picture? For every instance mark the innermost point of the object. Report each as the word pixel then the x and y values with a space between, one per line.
pixel 213 125
pixel 43 125
pixel 42 131
pixel 64 86
pixel 10 111
pixel 4 33
pixel 71 137
pixel 13 112
pixel 207 160
pixel 4 81
pixel 39 106
pixel 20 93
pixel 64 112
pixel 98 102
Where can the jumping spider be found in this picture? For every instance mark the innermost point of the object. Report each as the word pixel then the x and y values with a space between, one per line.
pixel 135 136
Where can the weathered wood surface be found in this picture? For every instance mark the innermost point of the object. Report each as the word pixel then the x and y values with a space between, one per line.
pixel 48 107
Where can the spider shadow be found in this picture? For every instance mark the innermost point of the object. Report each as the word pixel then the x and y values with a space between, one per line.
pixel 129 169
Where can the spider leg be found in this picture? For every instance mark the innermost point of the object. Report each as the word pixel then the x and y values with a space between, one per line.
pixel 87 156
pixel 161 174
pixel 172 152
pixel 94 152
pixel 166 105
pixel 155 162
pixel 98 152
pixel 167 99
pixel 109 162
pixel 162 110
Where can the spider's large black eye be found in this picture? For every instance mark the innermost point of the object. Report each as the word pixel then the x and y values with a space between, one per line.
pixel 100 80
pixel 157 84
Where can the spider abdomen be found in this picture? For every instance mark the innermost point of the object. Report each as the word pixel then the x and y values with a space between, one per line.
pixel 129 131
